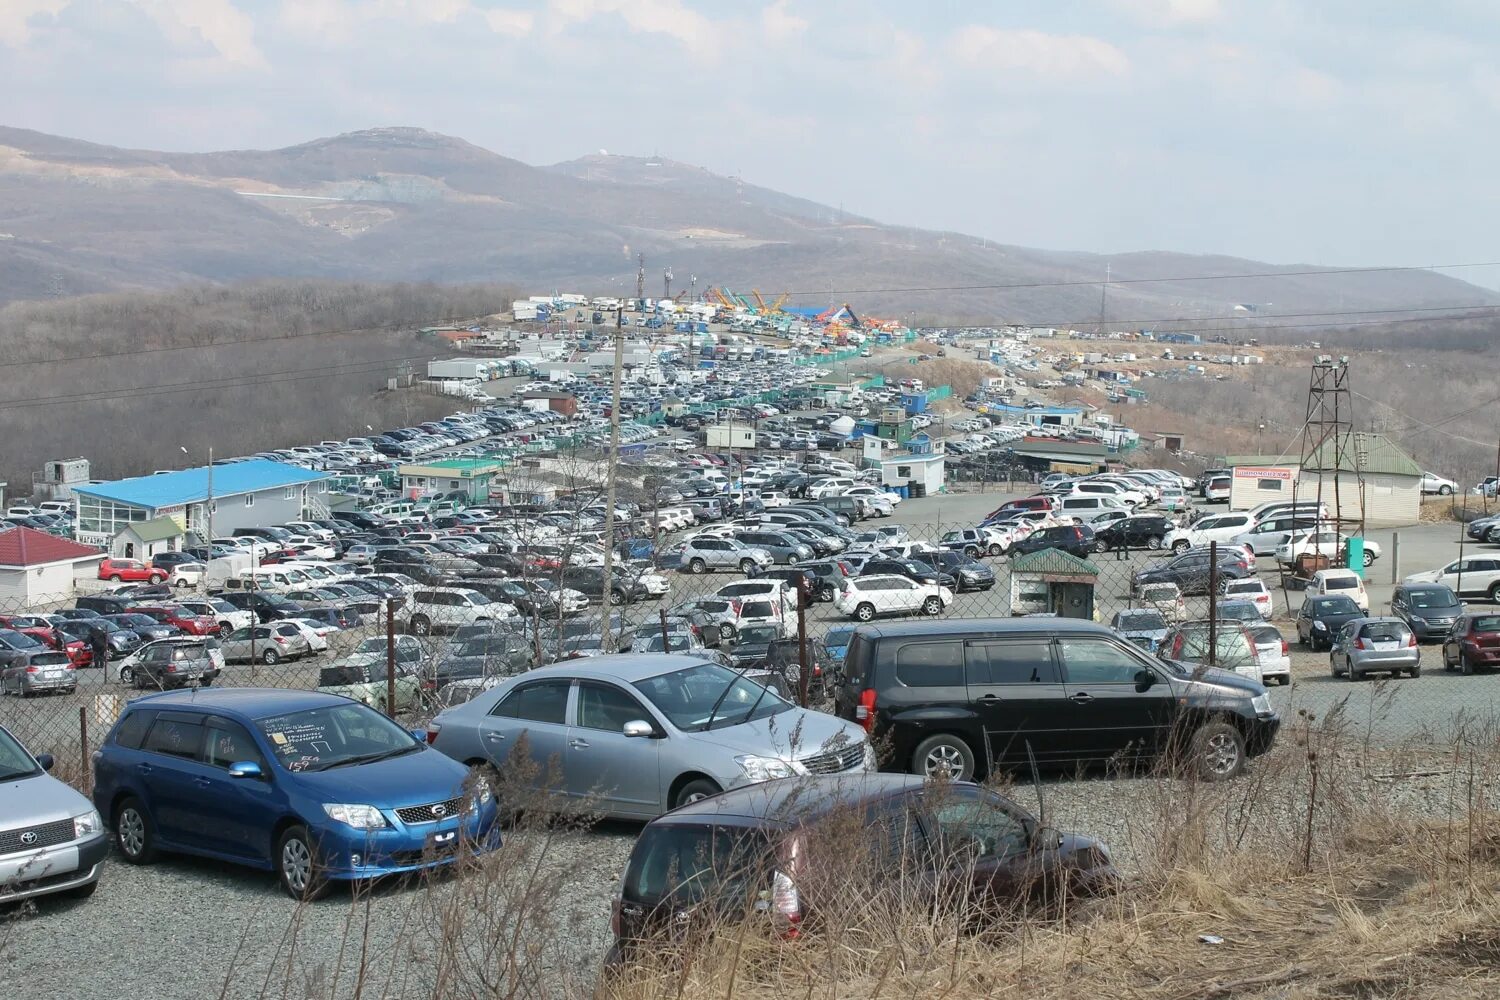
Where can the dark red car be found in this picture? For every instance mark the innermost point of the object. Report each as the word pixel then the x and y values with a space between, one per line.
pixel 1473 644
pixel 79 653
pixel 1038 502
pixel 180 617
pixel 130 571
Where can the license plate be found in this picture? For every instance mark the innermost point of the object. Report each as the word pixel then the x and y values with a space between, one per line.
pixel 53 675
pixel 443 841
pixel 1384 646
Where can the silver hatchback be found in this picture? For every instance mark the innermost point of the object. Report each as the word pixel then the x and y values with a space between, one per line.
pixel 1375 646
pixel 635 735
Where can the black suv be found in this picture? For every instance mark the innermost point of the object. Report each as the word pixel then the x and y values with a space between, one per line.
pixel 960 697
pixel 1074 539
pixel 912 569
pixel 1192 571
pixel 1145 531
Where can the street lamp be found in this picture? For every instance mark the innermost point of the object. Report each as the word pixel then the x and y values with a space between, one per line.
pixel 208 500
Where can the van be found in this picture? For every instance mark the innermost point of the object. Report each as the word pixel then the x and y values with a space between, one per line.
pixel 1274 508
pixel 268 578
pixel 1340 583
pixel 1086 509
pixel 1271 531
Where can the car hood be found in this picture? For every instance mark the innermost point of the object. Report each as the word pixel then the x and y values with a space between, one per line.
pixel 39 799
pixel 1333 621
pixel 1430 576
pixel 1214 677
pixel 773 736
pixel 409 780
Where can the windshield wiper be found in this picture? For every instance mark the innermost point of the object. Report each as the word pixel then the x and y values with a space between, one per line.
pixel 366 758
pixel 713 712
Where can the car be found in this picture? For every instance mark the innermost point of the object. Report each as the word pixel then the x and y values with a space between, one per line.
pixel 639 734
pixel 1472 576
pixel 1429 609
pixel 836 642
pixel 1320 618
pixel 969 697
pixel 1217 489
pixel 748 851
pixel 264 605
pixel 1431 484
pixel 1472 643
pixel 1252 589
pixel 866 598
pixel 440 609
pixel 752 647
pixel 977 542
pixel 1219 528
pixel 1271 531
pixel 1187 646
pixel 1375 645
pixel 180 617
pixel 1322 541
pixel 28 667
pixel 1192 572
pixel 171 663
pixel 1139 531
pixel 314 787
pixel 370 686
pixel 1146 627
pixel 269 644
pixel 1271 652
pixel 186 576
pixel 1344 582
pixel 912 569
pixel 54 840
pixel 1074 539
pixel 967 573
pixel 1246 612
pixel 494 654
pixel 130 571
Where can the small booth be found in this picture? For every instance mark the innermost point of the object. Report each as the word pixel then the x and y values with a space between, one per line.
pixel 1053 582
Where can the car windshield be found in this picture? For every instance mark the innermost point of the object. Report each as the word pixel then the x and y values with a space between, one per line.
pixel 1231 647
pixel 757 635
pixel 687 697
pixel 15 762
pixel 692 863
pixel 334 736
pixel 1240 610
pixel 1385 632
pixel 27 621
pixel 18 640
pixel 1432 599
pixel 1141 620
pixel 674 642
pixel 1335 606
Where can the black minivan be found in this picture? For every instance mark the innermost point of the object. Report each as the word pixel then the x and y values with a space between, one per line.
pixel 960 697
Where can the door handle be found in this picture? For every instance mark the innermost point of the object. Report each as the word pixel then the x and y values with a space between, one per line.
pixel 495 737
pixel 988 697
pixel 144 768
pixel 1082 697
pixel 202 782
pixel 578 744
pixel 631 911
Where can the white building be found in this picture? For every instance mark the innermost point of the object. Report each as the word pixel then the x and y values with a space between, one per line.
pixel 37 568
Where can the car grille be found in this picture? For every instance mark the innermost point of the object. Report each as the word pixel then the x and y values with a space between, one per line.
pixel 1440 622
pixel 833 761
pixel 430 813
pixel 46 835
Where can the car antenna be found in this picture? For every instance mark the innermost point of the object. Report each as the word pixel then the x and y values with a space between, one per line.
pixel 1036 783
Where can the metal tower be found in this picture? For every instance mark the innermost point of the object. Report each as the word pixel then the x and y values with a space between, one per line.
pixel 1332 454
pixel 666 282
pixel 640 279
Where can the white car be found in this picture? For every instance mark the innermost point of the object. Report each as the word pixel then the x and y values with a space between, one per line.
pixel 771 499
pixel 229 616
pixel 831 487
pixel 1272 653
pixel 1323 542
pixel 186 575
pixel 1214 528
pixel 1431 483
pixel 867 491
pixel 865 598
pixel 1476 576
pixel 316 633
pixel 446 608
pixel 1251 589
pixel 747 590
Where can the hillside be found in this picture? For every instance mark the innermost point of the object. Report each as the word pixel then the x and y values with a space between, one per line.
pixel 406 204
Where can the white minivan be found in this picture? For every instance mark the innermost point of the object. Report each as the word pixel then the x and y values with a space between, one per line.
pixel 1088 509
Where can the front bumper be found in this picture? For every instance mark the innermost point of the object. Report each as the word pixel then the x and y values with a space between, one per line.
pixel 349 854
pixel 51 869
pixel 1260 734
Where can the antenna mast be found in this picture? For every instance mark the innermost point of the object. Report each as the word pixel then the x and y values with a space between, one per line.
pixel 640 281
pixel 1331 451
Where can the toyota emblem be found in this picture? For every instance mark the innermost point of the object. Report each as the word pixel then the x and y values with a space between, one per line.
pixel 29 837
pixel 440 810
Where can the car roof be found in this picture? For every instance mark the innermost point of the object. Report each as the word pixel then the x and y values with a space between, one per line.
pixel 628 667
pixel 783 801
pixel 963 626
pixel 251 703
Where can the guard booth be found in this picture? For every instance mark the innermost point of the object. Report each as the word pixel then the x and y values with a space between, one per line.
pixel 1053 582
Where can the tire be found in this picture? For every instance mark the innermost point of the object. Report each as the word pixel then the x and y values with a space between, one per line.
pixel 617 597
pixel 155 578
pixel 1445 491
pixel 421 625
pixel 1218 751
pixel 114 578
pixel 270 657
pixel 1333 668
pixel 1465 665
pixel 134 834
pixel 699 788
pixel 181 582
pixel 728 632
pixel 826 595
pixel 296 865
pixel 1154 542
pixel 1494 593
pixel 204 682
pixel 943 755
pixel 865 612
pixel 1355 675
pixel 994 549
pixel 1368 558
pixel 746 566
pixel 1180 546
pixel 127 675
pixel 697 567
pixel 1415 672
pixel 932 606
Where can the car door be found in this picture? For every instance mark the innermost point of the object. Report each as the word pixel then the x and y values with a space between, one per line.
pixel 1016 689
pixel 531 722
pixel 1115 711
pixel 1453 640
pixel 166 770
pixel 235 813
pixel 979 845
pixel 623 772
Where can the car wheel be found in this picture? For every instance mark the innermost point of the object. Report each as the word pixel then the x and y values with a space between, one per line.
pixel 943 756
pixel 134 834
pixel 181 582
pixel 297 866
pixel 1465 665
pixel 994 549
pixel 127 675
pixel 747 566
pixel 1368 559
pixel 1354 675
pixel 1218 751
pixel 1415 671
pixel 697 567
pixel 1154 542
pixel 1445 491
pixel 114 578
pixel 865 612
pixel 728 632
pixel 1333 667
pixel 1180 546
pixel 420 625
pixel 155 578
pixel 204 682
pixel 932 606
pixel 700 788
pixel 1495 593
pixel 270 657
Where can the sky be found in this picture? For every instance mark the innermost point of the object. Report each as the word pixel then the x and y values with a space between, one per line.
pixel 1348 132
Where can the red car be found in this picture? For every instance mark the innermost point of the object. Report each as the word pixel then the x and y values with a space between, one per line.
pixel 179 617
pixel 79 652
pixel 1473 643
pixel 130 571
pixel 1042 503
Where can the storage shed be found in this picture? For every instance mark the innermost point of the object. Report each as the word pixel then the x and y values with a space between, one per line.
pixel 1377 481
pixel 1053 582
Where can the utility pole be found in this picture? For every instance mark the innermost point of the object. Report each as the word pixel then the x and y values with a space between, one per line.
pixel 209 510
pixel 605 633
pixel 640 281
pixel 1103 296
pixel 1213 604
pixel 390 657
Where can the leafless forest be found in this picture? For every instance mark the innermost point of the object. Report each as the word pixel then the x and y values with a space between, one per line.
pixel 127 380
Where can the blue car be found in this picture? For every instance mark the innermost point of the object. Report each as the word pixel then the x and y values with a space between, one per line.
pixel 837 642
pixel 312 786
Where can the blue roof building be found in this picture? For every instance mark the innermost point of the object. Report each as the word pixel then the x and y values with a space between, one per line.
pixel 251 494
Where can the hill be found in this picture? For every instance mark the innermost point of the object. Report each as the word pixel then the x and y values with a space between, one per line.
pixel 407 204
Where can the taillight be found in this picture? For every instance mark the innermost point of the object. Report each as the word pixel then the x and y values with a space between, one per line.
pixel 734 603
pixel 1285 649
pixel 1359 644
pixel 280 639
pixel 786 904
pixel 33 670
pixel 432 732
pixel 1411 640
pixel 864 712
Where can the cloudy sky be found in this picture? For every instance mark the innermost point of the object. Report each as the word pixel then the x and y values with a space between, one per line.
pixel 1328 131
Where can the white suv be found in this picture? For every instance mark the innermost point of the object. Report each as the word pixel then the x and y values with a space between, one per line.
pixel 439 609
pixel 867 597
pixel 1219 528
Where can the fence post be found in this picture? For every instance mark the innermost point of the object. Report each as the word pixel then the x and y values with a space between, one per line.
pixel 83 748
pixel 1396 556
pixel 662 612
pixel 803 673
pixel 390 657
pixel 1213 604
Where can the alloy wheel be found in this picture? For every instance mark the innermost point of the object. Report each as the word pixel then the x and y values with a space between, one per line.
pixel 296 864
pixel 1221 754
pixel 132 832
pixel 943 762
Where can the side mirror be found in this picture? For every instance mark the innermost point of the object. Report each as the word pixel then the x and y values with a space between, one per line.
pixel 1144 679
pixel 639 729
pixel 420 735
pixel 1046 838
pixel 45 760
pixel 245 769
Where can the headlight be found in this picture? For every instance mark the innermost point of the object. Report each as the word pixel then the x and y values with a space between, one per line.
pixel 481 796
pixel 1320 625
pixel 87 825
pixel 361 817
pixel 1262 704
pixel 870 761
pixel 767 768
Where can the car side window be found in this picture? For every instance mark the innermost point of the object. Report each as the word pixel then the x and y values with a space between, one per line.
pixel 1021 661
pixel 545 701
pixel 606 707
pixel 229 743
pixel 1095 661
pixel 970 826
pixel 930 664
pixel 175 736
pixel 132 729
